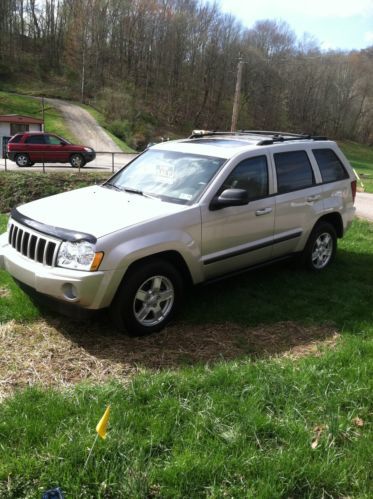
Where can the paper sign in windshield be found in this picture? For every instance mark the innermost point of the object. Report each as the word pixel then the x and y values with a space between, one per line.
pixel 166 173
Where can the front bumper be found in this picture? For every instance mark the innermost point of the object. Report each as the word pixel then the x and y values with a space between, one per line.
pixel 90 290
pixel 89 156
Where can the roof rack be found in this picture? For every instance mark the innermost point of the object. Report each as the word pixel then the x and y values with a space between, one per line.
pixel 272 135
pixel 287 137
pixel 206 133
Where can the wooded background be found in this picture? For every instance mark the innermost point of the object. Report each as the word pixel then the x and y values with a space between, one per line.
pixel 154 65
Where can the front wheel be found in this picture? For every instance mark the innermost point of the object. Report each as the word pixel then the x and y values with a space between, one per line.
pixel 23 160
pixel 77 161
pixel 148 298
pixel 321 247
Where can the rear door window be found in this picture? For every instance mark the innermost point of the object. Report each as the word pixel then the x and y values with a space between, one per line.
pixel 331 168
pixel 35 139
pixel 294 171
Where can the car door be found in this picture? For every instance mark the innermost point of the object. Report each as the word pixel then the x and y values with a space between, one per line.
pixel 298 201
pixel 55 148
pixel 236 237
pixel 35 147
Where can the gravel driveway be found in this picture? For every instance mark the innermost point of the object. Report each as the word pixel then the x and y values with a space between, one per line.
pixel 84 126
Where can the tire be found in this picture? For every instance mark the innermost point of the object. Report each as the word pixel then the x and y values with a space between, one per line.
pixel 321 247
pixel 148 298
pixel 77 161
pixel 22 160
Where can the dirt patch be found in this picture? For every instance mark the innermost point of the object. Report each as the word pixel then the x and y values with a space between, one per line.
pixel 60 353
pixel 4 292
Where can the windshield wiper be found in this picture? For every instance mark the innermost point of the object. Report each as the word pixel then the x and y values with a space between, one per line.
pixel 130 190
pixel 112 186
pixel 133 191
pixel 140 193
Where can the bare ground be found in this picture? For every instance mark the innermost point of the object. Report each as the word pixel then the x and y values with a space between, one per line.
pixel 58 354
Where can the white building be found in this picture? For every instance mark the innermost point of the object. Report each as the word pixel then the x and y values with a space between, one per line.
pixel 11 124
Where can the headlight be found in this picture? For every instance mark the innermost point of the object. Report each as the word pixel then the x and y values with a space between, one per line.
pixel 79 256
pixel 88 149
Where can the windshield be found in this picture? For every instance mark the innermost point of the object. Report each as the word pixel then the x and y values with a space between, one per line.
pixel 171 176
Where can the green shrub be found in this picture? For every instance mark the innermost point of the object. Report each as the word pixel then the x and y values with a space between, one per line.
pixel 18 188
pixel 121 129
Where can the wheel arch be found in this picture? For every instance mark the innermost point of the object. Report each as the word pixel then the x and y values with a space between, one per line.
pixel 334 219
pixel 171 256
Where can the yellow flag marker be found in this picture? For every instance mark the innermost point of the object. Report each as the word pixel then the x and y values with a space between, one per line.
pixel 101 430
pixel 101 427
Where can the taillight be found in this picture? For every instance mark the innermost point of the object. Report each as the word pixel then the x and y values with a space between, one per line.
pixel 353 190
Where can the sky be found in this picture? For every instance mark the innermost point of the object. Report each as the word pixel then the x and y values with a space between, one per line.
pixel 336 24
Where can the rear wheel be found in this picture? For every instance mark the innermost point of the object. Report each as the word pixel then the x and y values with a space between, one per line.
pixel 77 161
pixel 147 298
pixel 321 247
pixel 22 160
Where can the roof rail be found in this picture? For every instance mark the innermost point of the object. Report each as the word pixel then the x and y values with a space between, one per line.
pixel 275 133
pixel 273 136
pixel 203 133
pixel 281 138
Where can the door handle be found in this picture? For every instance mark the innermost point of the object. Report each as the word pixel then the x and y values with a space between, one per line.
pixel 263 211
pixel 313 198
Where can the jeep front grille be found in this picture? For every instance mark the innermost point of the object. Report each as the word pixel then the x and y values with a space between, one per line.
pixel 33 245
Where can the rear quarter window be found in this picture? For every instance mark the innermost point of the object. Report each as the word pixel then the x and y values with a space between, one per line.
pixel 293 170
pixel 331 167
pixel 15 139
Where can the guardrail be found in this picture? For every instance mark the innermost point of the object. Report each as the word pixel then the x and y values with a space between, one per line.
pixel 107 160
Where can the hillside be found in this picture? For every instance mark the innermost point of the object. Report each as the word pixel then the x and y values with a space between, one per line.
pixel 158 67
pixel 11 103
pixel 65 119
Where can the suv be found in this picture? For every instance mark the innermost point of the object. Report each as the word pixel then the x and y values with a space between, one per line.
pixel 185 211
pixel 32 147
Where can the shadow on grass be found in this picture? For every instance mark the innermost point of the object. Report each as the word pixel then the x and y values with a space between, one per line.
pixel 271 311
pixel 185 344
pixel 275 310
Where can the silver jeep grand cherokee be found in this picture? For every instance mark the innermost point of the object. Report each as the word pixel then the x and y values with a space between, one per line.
pixel 183 211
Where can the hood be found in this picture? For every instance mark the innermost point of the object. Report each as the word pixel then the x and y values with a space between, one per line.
pixel 96 210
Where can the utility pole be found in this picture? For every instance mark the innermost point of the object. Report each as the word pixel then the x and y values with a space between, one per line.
pixel 83 75
pixel 43 112
pixel 237 93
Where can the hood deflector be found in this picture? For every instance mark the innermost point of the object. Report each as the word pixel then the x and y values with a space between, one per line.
pixel 60 233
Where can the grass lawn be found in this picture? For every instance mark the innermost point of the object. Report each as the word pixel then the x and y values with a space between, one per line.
pixel 361 158
pixel 253 426
pixel 20 104
pixel 241 429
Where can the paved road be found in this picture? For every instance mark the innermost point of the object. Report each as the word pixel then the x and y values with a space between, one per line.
pixel 103 162
pixel 364 205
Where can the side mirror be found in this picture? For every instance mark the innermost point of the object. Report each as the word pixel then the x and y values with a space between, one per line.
pixel 230 197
